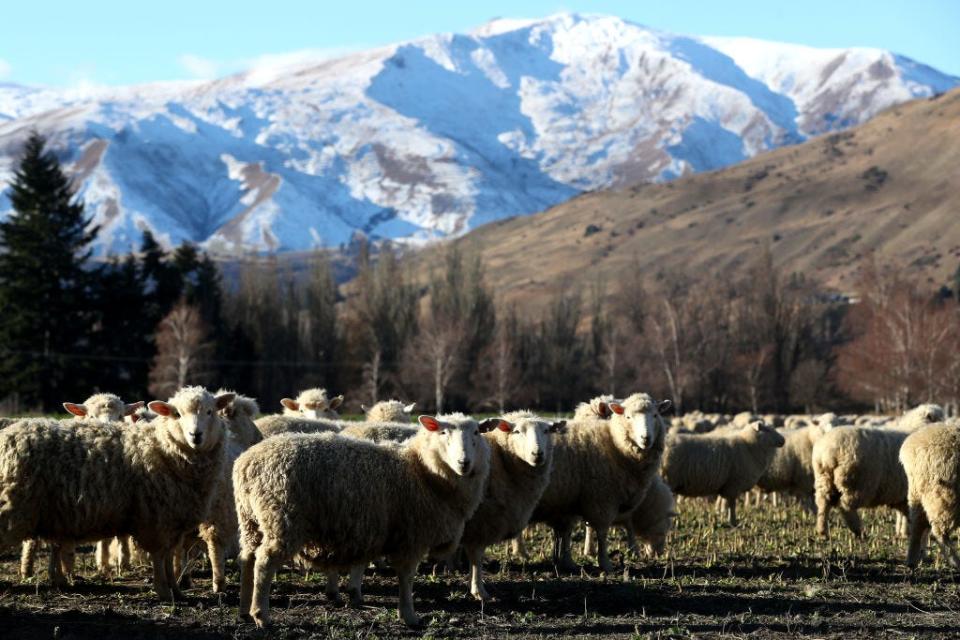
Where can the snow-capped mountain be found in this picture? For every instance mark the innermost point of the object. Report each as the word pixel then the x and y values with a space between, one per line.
pixel 438 135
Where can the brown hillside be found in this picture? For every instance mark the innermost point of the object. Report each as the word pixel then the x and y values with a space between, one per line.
pixel 891 186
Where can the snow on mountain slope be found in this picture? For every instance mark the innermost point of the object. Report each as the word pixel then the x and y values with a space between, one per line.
pixel 435 136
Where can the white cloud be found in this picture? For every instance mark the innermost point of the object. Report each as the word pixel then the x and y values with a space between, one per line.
pixel 5 69
pixel 199 67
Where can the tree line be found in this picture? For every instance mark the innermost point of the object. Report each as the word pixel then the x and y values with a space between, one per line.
pixel 149 322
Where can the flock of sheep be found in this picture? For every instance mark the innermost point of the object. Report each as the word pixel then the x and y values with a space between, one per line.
pixel 304 486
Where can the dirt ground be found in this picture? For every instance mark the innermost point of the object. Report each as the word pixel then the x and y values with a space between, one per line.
pixel 770 577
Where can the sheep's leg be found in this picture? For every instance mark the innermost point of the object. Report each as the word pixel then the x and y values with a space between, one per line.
pixel 587 540
pixel 405 572
pixel 268 560
pixel 631 538
pixel 918 529
pixel 732 510
pixel 332 589
pixel 123 545
pixel 603 555
pixel 852 518
pixel 718 505
pixel 160 584
pixel 822 499
pixel 218 564
pixel 562 553
pixel 28 555
pixel 475 557
pixel 519 547
pixel 246 560
pixel 68 555
pixel 55 568
pixel 103 557
pixel 355 586
pixel 172 576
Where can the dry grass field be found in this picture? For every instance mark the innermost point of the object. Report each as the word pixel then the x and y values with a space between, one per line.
pixel 770 577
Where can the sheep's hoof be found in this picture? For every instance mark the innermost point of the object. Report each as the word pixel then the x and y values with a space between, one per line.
pixel 262 621
pixel 481 595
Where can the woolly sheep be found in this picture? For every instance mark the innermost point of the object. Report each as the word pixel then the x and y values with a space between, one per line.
pixel 931 461
pixel 160 481
pixel 380 432
pixel 313 404
pixel 652 520
pixel 389 411
pixel 598 407
pixel 791 469
pixel 353 501
pixel 725 463
pixel 277 424
pixel 220 531
pixel 520 464
pixel 859 467
pixel 602 468
pixel 104 408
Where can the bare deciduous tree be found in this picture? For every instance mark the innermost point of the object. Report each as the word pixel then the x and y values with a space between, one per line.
pixel 182 352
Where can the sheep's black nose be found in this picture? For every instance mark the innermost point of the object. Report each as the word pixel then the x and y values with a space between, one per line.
pixel 197 437
pixel 538 457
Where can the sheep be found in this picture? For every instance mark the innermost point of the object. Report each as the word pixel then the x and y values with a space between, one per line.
pixel 652 520
pixel 520 463
pixel 100 407
pixel 726 463
pixel 931 461
pixel 743 419
pixel 598 407
pixel 602 468
pixel 859 467
pixel 388 411
pixel 220 530
pixel 380 432
pixel 352 501
pixel 6 422
pixel 313 404
pixel 791 470
pixel 158 482
pixel 276 424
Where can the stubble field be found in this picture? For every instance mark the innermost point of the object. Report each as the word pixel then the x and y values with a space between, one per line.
pixel 770 577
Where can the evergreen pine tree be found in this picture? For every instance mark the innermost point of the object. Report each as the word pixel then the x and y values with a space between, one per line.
pixel 45 291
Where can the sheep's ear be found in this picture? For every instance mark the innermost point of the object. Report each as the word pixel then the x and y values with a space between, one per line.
pixel 429 423
pixel 291 404
pixel 132 408
pixel 224 399
pixel 603 410
pixel 161 408
pixel 134 417
pixel 489 424
pixel 409 407
pixel 336 402
pixel 76 409
pixel 663 406
pixel 505 426
pixel 558 426
pixel 616 407
pixel 364 408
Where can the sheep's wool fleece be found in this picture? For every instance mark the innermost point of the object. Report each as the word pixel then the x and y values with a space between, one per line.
pixel 350 501
pixel 598 472
pixel 145 483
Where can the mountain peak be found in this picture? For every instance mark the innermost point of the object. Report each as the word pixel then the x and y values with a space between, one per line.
pixel 432 137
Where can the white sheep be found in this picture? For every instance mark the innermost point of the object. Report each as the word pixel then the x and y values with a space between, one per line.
pixel 313 404
pixel 601 469
pixel 520 464
pixel 791 470
pixel 652 520
pixel 100 407
pixel 389 411
pixel 152 482
pixel 725 463
pixel 381 432
pixel 859 467
pixel 349 502
pixel 220 531
pixel 277 424
pixel 931 461
pixel 598 407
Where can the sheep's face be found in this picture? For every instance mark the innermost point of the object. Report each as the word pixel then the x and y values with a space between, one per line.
pixel 769 436
pixel 102 407
pixel 640 416
pixel 458 442
pixel 313 404
pixel 930 413
pixel 197 415
pixel 531 440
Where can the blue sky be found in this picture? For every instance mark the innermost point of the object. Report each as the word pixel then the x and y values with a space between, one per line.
pixel 64 43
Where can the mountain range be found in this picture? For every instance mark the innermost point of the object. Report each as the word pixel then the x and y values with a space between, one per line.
pixel 440 135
